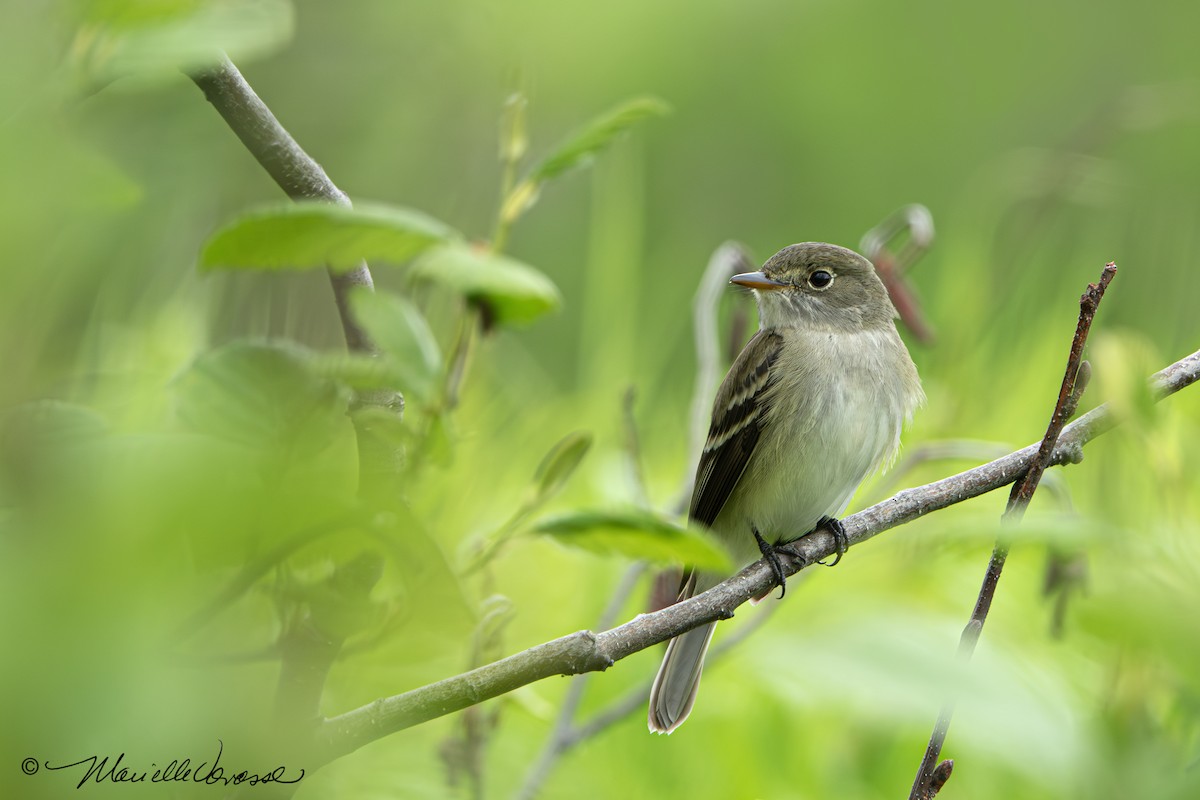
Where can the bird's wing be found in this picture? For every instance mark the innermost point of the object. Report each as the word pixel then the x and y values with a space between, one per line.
pixel 738 415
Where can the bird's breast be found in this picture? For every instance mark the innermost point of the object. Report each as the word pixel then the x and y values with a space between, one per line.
pixel 837 404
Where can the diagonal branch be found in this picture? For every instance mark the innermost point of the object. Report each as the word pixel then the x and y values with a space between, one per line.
pixel 285 161
pixel 302 178
pixel 931 775
pixel 309 653
pixel 586 651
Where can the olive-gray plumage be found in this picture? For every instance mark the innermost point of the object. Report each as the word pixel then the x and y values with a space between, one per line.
pixel 812 405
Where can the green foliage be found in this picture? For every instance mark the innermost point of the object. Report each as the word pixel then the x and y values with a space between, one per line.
pixel 579 150
pixel 514 293
pixel 401 332
pixel 637 534
pixel 551 475
pixel 313 234
pixel 558 465
pixel 583 146
pixel 261 396
pixel 180 454
pixel 155 38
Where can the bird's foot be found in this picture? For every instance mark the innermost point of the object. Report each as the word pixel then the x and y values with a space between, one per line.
pixel 771 553
pixel 841 542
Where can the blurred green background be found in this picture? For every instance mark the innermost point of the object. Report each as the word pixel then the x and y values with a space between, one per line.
pixel 1046 139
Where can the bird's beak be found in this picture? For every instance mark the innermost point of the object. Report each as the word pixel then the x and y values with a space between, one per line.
pixel 757 280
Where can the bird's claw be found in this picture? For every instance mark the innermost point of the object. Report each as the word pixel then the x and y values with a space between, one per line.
pixel 841 542
pixel 771 553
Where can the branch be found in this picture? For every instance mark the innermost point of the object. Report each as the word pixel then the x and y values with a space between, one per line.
pixel 931 776
pixel 915 221
pixel 561 736
pixel 726 261
pixel 585 651
pixel 294 170
pixel 302 178
pixel 636 699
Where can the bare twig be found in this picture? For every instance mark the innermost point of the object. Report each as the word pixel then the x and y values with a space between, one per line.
pixel 586 651
pixel 726 261
pixel 464 346
pixel 313 639
pixel 924 785
pixel 561 737
pixel 464 751
pixel 636 700
pixel 257 567
pixel 940 450
pixel 568 736
pixel 915 221
pixel 633 448
pixel 302 178
pixel 294 170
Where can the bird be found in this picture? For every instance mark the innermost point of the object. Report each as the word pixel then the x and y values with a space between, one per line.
pixel 813 404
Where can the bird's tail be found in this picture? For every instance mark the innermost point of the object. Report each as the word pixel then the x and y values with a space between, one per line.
pixel 674 691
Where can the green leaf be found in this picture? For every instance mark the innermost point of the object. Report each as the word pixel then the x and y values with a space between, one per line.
pixel 312 234
pixel 119 38
pixel 401 332
pixel 559 464
pixel 584 145
pixel 514 140
pixel 514 292
pixel 578 151
pixel 635 534
pixel 263 396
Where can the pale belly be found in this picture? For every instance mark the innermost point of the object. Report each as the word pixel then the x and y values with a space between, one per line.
pixel 813 455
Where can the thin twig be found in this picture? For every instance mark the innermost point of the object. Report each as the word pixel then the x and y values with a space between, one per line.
pixel 636 700
pixel 294 170
pixel 464 752
pixel 726 261
pixel 569 736
pixel 915 221
pixel 302 178
pixel 586 651
pixel 924 786
pixel 560 738
pixel 464 345
pixel 633 448
pixel 254 569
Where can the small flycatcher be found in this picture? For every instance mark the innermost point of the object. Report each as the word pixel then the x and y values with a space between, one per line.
pixel 812 406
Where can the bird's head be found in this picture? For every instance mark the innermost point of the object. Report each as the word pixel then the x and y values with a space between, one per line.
pixel 818 285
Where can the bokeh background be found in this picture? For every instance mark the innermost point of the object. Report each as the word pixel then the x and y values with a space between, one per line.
pixel 1046 139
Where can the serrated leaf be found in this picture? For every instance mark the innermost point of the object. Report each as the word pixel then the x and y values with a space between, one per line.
pixel 263 396
pixel 312 234
pixel 559 464
pixel 514 292
pixel 119 38
pixel 583 146
pixel 635 534
pixel 399 329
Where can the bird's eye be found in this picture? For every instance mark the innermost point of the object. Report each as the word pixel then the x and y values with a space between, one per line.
pixel 820 279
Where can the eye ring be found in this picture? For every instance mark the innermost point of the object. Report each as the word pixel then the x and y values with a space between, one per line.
pixel 820 279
